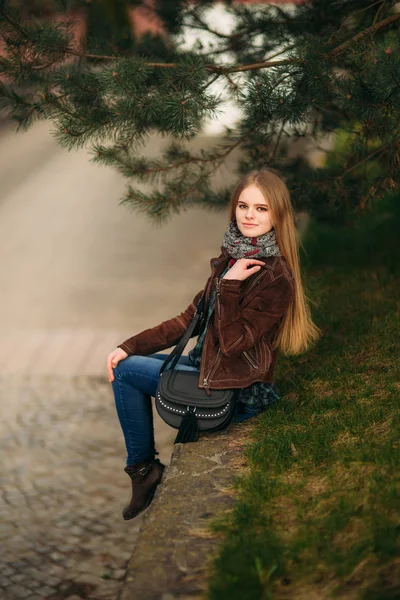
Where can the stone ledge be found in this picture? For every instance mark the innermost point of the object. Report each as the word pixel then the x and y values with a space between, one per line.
pixel 173 548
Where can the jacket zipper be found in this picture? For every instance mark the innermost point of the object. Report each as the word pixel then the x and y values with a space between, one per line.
pixel 207 377
pixel 250 360
pixel 211 371
pixel 213 367
pixel 218 291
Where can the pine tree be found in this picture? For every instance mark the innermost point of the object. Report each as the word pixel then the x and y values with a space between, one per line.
pixel 324 66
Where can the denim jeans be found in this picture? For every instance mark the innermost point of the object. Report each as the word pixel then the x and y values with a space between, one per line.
pixel 135 383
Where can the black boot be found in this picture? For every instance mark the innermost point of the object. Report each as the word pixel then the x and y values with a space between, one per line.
pixel 145 478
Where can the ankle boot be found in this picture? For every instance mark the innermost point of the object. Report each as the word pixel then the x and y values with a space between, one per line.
pixel 145 477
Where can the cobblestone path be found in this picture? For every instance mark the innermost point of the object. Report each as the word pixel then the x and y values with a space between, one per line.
pixel 62 490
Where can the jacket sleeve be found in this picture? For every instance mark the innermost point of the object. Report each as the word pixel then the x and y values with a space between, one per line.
pixel 162 336
pixel 238 329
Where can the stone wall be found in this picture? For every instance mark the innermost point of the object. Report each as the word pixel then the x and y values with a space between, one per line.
pixel 174 550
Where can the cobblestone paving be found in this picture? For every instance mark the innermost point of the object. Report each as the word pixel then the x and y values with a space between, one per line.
pixel 62 490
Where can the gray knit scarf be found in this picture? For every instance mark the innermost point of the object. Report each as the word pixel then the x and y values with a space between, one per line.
pixel 241 246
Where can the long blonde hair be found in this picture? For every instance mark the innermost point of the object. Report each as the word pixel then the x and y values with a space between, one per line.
pixel 297 331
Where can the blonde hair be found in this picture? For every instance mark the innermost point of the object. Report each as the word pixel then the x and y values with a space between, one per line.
pixel 297 331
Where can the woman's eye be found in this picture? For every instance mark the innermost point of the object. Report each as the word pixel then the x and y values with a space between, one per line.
pixel 260 207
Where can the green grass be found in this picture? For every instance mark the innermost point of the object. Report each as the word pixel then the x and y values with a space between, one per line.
pixel 317 512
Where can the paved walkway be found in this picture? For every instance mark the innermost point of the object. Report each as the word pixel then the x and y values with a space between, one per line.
pixel 62 491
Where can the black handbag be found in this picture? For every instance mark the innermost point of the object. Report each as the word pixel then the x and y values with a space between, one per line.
pixel 185 406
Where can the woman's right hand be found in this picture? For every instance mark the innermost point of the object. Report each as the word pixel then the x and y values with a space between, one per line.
pixel 112 360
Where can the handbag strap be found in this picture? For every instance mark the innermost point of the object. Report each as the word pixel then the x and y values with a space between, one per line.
pixel 177 351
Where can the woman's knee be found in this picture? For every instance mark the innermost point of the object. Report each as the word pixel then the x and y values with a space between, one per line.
pixel 136 364
pixel 128 364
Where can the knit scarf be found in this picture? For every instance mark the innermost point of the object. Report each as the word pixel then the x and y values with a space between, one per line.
pixel 241 246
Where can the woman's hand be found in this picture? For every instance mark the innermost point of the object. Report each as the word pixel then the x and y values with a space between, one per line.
pixel 112 360
pixel 240 269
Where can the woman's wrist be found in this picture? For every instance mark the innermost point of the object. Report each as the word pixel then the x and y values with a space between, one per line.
pixel 235 279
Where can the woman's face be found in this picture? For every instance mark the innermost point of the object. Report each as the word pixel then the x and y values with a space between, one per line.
pixel 252 208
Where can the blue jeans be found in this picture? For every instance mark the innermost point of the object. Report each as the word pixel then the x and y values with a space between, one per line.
pixel 135 383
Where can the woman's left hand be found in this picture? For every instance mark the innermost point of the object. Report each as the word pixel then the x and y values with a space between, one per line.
pixel 242 268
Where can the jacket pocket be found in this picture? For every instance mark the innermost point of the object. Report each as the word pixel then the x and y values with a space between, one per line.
pixel 250 359
pixel 259 357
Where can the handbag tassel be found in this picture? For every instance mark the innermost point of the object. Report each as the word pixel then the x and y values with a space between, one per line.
pixel 188 429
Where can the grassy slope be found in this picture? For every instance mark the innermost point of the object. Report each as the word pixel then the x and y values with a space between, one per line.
pixel 317 514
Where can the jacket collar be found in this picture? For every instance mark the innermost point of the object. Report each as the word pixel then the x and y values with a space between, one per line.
pixel 215 262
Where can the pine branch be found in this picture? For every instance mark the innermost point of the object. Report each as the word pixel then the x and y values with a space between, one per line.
pixel 272 154
pixel 373 154
pixel 219 68
pixel 14 24
pixel 102 155
pixel 378 12
pixel 213 68
pixel 173 200
pixel 341 176
pixel 269 64
pixel 360 36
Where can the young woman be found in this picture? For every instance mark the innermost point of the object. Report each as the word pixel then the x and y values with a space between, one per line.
pixel 254 305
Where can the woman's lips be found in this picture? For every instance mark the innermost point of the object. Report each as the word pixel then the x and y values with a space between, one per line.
pixel 249 225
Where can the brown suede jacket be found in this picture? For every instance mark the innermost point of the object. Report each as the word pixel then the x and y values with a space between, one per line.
pixel 237 349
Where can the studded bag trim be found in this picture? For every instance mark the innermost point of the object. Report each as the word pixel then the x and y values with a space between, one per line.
pixel 182 404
